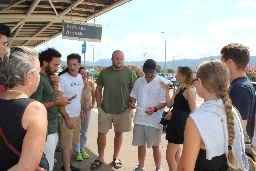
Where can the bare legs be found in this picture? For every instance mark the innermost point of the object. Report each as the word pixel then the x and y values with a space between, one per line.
pixel 66 157
pixel 101 140
pixel 156 155
pixel 173 153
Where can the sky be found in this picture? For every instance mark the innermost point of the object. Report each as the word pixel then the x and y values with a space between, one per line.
pixel 192 30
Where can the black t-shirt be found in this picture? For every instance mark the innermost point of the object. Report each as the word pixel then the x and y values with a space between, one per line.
pixel 241 92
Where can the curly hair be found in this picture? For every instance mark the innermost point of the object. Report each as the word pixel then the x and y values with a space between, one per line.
pixel 187 73
pixel 5 30
pixel 16 65
pixel 215 78
pixel 47 55
pixel 74 56
pixel 238 53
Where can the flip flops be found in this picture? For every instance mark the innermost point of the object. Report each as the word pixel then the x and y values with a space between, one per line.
pixel 96 164
pixel 117 164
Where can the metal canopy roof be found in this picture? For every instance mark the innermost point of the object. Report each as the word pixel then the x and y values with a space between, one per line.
pixel 34 22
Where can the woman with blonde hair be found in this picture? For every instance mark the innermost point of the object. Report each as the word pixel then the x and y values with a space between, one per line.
pixel 213 134
pixel 183 102
pixel 23 121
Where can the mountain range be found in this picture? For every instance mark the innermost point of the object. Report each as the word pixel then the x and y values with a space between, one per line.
pixel 192 63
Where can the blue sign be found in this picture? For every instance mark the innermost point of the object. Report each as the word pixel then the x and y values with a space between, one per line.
pixel 83 48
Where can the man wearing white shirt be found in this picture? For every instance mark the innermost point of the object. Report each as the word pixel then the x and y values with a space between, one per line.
pixel 71 83
pixel 151 101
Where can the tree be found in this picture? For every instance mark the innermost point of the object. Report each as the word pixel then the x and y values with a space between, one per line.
pixel 169 70
pixel 251 72
pixel 158 68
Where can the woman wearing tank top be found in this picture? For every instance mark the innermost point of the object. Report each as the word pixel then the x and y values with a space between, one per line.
pixel 89 98
pixel 214 133
pixel 23 122
pixel 183 102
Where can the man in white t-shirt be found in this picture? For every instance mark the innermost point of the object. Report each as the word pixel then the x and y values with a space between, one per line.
pixel 71 84
pixel 151 101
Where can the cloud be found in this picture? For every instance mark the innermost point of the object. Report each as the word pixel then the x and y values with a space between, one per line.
pixel 186 12
pixel 205 7
pixel 187 45
pixel 246 4
pixel 223 28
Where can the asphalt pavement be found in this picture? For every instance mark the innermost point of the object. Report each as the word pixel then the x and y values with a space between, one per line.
pixel 128 153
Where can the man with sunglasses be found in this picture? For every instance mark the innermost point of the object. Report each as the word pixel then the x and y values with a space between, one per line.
pixel 151 101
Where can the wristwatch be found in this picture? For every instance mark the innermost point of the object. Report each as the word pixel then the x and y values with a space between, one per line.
pixel 155 109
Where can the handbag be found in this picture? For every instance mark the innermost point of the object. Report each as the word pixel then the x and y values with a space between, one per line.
pixel 43 165
pixel 163 121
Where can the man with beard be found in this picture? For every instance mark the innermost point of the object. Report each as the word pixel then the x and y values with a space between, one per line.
pixel 151 101
pixel 4 33
pixel 46 94
pixel 113 106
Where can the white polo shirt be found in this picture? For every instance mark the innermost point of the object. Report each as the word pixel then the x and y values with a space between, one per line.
pixel 148 95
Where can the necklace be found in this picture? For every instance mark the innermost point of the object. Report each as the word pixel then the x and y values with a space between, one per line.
pixel 18 91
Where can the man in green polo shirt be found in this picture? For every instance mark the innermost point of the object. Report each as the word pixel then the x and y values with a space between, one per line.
pixel 46 94
pixel 113 106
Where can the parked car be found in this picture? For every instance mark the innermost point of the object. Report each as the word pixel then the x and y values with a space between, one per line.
pixel 169 83
pixel 173 80
pixel 254 85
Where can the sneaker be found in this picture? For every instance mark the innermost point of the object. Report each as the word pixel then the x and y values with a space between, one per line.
pixel 72 168
pixel 79 156
pixel 138 168
pixel 84 154
pixel 55 160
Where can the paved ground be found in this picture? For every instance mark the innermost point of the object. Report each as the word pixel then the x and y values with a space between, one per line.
pixel 128 153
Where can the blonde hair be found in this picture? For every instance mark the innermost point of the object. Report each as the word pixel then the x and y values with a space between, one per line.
pixel 215 78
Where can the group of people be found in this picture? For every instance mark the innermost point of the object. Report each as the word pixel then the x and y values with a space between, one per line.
pixel 36 107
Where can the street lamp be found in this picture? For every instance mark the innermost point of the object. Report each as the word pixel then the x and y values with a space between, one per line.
pixel 173 65
pixel 165 52
pixel 144 53
pixel 93 62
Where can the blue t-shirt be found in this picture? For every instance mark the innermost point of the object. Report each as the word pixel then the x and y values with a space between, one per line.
pixel 241 92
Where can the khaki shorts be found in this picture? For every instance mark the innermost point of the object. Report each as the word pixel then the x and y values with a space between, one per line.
pixel 69 137
pixel 143 135
pixel 121 122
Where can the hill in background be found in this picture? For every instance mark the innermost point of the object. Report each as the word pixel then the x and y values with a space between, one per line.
pixel 192 63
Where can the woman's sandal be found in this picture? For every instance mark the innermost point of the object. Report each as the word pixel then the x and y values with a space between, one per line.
pixel 96 164
pixel 117 163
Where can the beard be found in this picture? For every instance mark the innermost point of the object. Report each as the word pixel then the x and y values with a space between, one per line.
pixel 118 66
pixel 48 71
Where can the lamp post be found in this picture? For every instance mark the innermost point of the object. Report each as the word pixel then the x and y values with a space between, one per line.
pixel 165 52
pixel 93 62
pixel 173 65
pixel 144 53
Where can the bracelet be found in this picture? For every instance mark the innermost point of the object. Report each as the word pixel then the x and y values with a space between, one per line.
pixel 56 101
pixel 55 86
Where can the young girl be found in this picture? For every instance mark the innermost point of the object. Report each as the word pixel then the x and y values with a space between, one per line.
pixel 183 102
pixel 213 134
